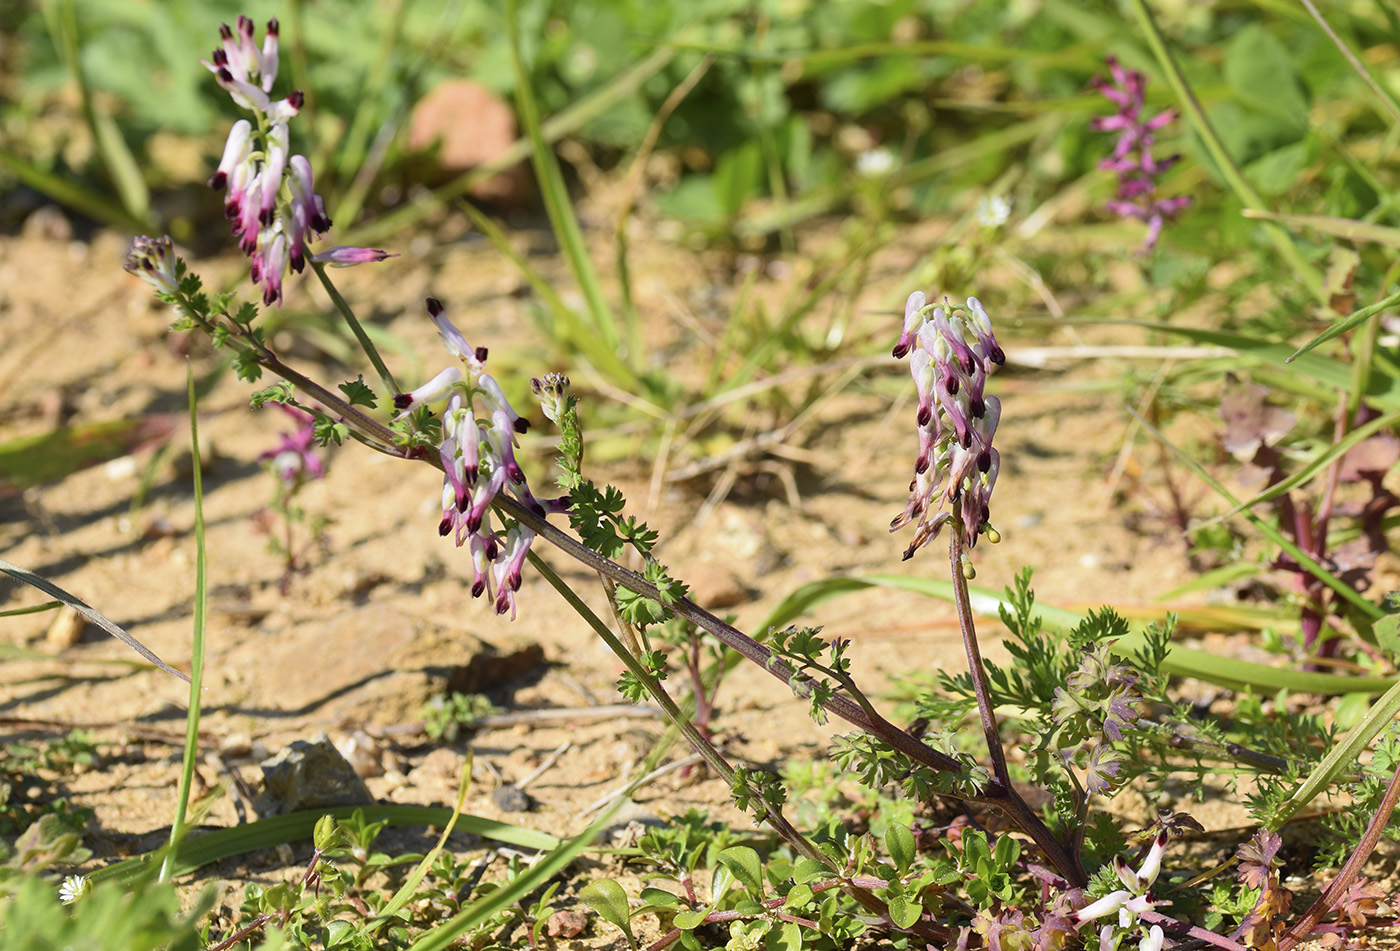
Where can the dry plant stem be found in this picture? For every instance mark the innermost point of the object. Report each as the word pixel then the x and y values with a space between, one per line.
pixel 1333 893
pixel 771 814
pixel 974 653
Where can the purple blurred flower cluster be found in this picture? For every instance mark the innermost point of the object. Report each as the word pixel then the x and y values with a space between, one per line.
pixel 271 228
pixel 478 461
pixel 1132 159
pixel 953 351
pixel 294 457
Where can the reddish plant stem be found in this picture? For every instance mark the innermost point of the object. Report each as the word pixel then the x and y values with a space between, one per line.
pixel 974 653
pixel 1350 870
pixel 1190 931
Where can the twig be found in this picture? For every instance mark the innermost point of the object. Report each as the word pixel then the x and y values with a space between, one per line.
pixel 544 766
pixel 632 786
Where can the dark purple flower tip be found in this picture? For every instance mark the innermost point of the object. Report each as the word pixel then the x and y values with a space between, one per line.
pixel 966 440
pixel 224 75
pixel 997 356
pixel 296 100
pixel 951 385
pixel 474 523
pixel 514 582
pixel 270 295
pixel 403 400
pixel 492 549
pixel 233 211
pixel 925 415
pixel 444 527
pixel 502 603
pixel 977 408
pixel 217 181
pixel 245 24
pixel 901 350
pixel 220 58
pixel 478 588
pixel 470 474
pixel 481 355
pixel 984 461
pixel 272 27
pixel 225 32
pixel 434 306
pixel 908 553
pixel 463 503
pixel 920 467
pixel 521 425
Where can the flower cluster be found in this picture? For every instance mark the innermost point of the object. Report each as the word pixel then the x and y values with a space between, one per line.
pixel 1132 158
pixel 1130 901
pixel 953 351
pixel 271 228
pixel 293 457
pixel 478 461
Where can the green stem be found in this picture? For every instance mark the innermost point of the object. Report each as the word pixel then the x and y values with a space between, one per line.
pixel 201 567
pixel 1241 187
pixel 385 376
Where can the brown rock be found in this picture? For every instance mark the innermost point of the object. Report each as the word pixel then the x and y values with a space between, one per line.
pixel 468 125
pixel 566 924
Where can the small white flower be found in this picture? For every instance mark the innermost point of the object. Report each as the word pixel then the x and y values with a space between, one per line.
pixel 72 888
pixel 875 162
pixel 992 211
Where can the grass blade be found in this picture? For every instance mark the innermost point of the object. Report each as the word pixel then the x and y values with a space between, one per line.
pixel 195 852
pixel 405 892
pixel 1342 326
pixel 96 617
pixel 201 609
pixel 1342 757
pixel 556 194
pixel 1348 228
pixel 1180 661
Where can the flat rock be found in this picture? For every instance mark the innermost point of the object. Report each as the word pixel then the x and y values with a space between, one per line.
pixel 309 774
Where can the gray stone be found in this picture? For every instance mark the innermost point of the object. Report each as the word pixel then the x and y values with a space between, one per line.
pixel 309 775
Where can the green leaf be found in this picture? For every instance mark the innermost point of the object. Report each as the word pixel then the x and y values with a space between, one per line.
pixel 809 870
pixel 358 393
pixel 1387 631
pixel 686 920
pixel 903 912
pixel 786 938
pixel 607 898
pixel 1279 170
pixel 743 863
pixel 1261 74
pixel 899 841
pixel 660 898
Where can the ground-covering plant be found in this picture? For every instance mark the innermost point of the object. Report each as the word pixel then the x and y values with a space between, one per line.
pixel 1082 709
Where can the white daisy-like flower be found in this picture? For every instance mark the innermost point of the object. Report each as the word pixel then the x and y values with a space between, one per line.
pixel 992 211
pixel 72 888
pixel 873 163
